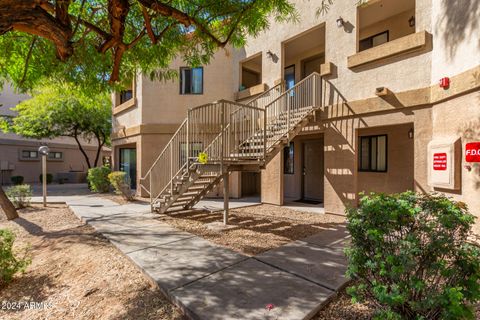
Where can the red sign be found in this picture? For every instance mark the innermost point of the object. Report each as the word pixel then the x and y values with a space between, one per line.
pixel 472 152
pixel 440 161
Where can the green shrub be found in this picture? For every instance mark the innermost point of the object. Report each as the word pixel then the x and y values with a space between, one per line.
pixel 410 255
pixel 121 184
pixel 49 178
pixel 10 264
pixel 16 180
pixel 20 195
pixel 98 179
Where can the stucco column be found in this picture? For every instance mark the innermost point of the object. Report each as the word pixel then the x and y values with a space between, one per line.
pixel 272 181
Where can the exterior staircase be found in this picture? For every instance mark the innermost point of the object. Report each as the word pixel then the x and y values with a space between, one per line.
pixel 234 136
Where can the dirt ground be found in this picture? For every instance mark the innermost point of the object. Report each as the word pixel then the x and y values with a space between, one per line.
pixel 254 229
pixel 77 273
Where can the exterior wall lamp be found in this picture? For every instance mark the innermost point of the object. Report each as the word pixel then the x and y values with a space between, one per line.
pixel 411 21
pixel 410 133
pixel 340 22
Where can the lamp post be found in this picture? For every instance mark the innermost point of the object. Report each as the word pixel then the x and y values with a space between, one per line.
pixel 44 150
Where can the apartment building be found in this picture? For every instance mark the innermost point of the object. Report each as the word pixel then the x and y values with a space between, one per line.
pixel 19 156
pixel 383 96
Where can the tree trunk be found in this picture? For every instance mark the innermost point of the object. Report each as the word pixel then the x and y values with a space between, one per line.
pixel 75 136
pixel 99 150
pixel 7 206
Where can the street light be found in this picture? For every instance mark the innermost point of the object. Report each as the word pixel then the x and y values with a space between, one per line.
pixel 44 150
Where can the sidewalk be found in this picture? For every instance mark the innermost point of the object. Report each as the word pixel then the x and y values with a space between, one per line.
pixel 208 281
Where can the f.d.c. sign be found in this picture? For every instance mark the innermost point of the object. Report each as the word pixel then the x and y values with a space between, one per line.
pixel 472 152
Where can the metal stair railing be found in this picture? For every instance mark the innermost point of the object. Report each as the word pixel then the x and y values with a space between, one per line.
pixel 203 127
pixel 224 131
pixel 291 105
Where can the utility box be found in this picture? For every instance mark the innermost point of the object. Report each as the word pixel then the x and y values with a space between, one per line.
pixel 444 163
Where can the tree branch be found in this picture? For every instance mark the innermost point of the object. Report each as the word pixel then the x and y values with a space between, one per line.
pixel 27 60
pixel 148 25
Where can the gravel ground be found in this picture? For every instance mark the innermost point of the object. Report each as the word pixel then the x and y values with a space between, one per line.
pixel 78 272
pixel 341 307
pixel 254 229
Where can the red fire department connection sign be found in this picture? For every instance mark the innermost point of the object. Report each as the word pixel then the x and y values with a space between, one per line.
pixel 472 152
pixel 440 161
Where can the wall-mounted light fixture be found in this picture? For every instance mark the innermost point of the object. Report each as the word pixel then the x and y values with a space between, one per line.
pixel 411 21
pixel 340 22
pixel 410 133
pixel 270 54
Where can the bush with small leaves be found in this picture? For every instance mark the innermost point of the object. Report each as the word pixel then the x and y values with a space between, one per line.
pixel 411 257
pixel 98 179
pixel 121 184
pixel 16 180
pixel 20 195
pixel 10 263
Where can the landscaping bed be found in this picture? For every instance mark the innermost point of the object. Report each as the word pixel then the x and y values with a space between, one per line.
pixel 255 229
pixel 77 273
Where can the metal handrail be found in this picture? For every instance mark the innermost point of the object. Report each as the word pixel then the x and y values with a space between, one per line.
pixel 225 130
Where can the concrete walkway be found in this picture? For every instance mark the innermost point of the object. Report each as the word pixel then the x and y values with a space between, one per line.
pixel 210 282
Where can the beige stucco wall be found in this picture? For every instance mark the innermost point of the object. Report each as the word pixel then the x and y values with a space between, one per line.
pixel 162 102
pixel 342 179
pixel 397 26
pixel 400 162
pixel 73 160
pixel 410 71
pixel 456 30
pixel 456 118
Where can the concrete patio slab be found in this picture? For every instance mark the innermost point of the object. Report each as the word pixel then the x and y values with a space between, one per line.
pixel 325 266
pixel 243 291
pixel 123 221
pixel 131 240
pixel 178 263
pixel 336 236
pixel 212 282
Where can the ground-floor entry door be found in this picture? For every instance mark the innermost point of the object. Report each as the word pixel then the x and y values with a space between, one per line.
pixel 313 170
pixel 128 164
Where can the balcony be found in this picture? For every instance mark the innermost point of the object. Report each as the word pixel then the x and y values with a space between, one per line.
pixel 413 42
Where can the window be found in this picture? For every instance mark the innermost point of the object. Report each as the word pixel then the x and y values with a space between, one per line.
pixel 27 154
pixel 128 164
pixel 373 154
pixel 55 155
pixel 288 155
pixel 191 80
pixel 374 41
pixel 125 95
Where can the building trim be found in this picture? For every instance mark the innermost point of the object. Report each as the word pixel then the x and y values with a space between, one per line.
pixel 127 105
pixel 144 129
pixel 460 84
pixel 252 91
pixel 23 143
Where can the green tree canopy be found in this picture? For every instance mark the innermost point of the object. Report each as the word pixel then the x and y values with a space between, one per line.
pixel 93 42
pixel 62 110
